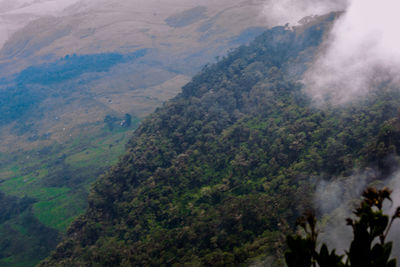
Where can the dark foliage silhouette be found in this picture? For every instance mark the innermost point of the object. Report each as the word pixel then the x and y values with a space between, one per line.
pixel 369 247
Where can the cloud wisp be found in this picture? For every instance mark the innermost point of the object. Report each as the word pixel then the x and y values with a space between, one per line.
pixel 360 53
pixel 291 11
pixel 335 200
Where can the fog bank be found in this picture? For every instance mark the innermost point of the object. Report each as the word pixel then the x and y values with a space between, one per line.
pixel 360 53
pixel 291 11
pixel 336 199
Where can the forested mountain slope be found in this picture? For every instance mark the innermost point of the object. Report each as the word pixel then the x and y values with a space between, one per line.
pixel 218 175
pixel 71 74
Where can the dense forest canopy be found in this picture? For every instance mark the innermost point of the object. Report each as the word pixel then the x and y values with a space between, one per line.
pixel 219 174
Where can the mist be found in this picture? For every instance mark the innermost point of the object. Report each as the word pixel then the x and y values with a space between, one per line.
pixel 292 11
pixel 16 14
pixel 41 7
pixel 336 199
pixel 394 234
pixel 360 53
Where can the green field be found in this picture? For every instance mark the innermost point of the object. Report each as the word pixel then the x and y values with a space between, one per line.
pixel 56 180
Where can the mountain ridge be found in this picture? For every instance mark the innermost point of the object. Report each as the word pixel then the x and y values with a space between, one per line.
pixel 220 173
pixel 74 125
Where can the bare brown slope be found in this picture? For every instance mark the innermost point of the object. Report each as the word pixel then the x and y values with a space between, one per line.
pixel 180 38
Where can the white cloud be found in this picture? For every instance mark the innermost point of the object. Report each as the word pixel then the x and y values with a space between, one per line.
pixel 361 52
pixel 291 11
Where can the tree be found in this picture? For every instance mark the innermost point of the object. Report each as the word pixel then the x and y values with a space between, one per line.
pixel 128 120
pixel 110 121
pixel 368 248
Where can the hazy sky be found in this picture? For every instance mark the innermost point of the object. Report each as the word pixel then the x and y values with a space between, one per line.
pixel 38 7
pixel 15 14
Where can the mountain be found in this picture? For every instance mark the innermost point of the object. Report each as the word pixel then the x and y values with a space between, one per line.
pixel 72 75
pixel 174 41
pixel 218 175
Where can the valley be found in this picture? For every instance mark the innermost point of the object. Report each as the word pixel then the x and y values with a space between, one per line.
pixel 187 133
pixel 70 75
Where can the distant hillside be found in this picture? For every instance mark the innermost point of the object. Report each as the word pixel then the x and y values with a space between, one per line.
pixel 72 75
pixel 179 38
pixel 219 174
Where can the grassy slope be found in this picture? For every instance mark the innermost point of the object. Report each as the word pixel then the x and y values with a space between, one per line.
pixel 29 174
pixel 56 203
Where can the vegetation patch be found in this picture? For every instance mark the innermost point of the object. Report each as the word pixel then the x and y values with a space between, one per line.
pixel 45 189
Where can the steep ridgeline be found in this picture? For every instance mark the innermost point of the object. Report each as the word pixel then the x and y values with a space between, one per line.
pixel 219 174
